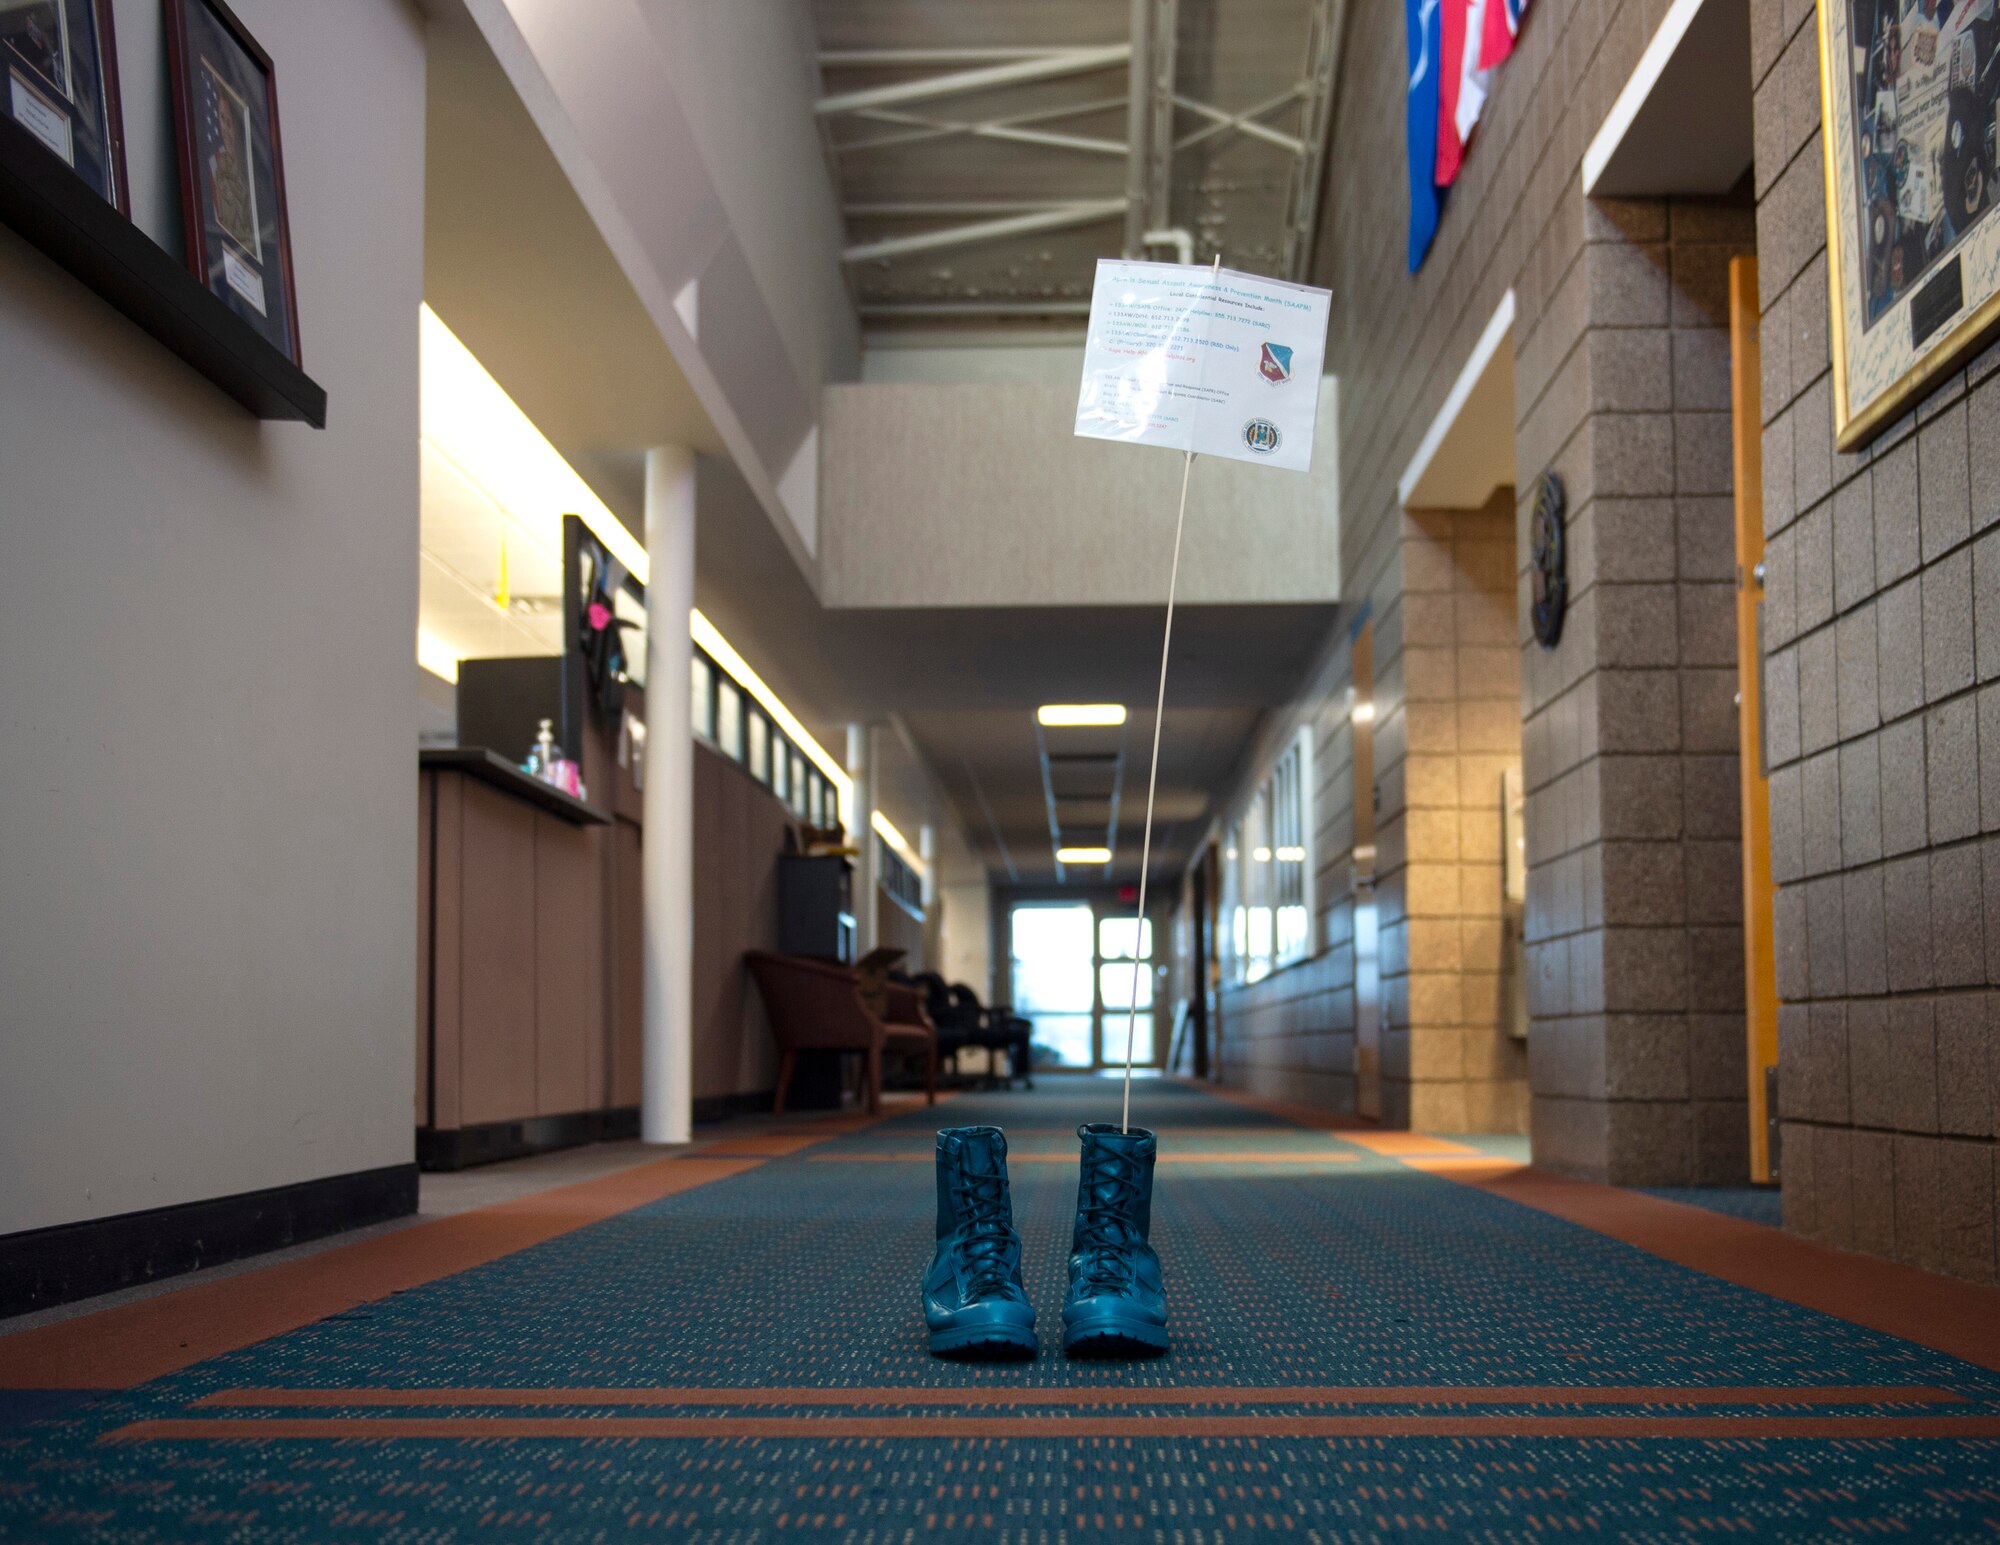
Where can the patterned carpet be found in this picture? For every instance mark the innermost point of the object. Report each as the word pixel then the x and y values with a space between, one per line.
pixel 1362 1351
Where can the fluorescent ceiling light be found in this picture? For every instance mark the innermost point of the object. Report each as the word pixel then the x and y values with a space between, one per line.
pixel 1075 715
pixel 468 418
pixel 1085 856
pixel 886 830
pixel 735 666
pixel 1291 855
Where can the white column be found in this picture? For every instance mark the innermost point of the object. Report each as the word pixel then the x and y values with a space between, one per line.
pixel 861 833
pixel 933 912
pixel 666 1112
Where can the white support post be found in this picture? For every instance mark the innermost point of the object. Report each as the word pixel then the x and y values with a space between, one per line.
pixel 667 862
pixel 861 832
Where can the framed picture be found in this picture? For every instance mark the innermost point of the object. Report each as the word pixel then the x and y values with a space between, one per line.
pixel 232 168
pixel 59 59
pixel 1910 90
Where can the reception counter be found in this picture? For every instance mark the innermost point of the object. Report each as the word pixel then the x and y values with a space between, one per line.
pixel 528 962
pixel 529 937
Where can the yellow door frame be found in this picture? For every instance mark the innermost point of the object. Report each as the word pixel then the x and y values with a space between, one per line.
pixel 1759 951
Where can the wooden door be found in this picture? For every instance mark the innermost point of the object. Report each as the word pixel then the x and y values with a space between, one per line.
pixel 1759 955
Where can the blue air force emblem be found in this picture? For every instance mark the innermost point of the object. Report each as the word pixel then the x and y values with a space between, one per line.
pixel 1275 365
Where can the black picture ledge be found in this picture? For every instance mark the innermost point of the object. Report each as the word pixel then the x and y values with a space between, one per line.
pixel 57 211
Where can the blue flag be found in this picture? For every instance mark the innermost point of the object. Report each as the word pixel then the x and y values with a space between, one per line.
pixel 1426 42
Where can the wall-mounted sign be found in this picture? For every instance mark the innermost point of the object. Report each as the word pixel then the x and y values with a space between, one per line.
pixel 1551 578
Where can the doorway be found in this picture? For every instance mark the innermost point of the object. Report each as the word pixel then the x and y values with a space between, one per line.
pixel 1073 977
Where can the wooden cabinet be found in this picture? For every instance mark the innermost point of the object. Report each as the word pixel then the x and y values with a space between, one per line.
pixel 521 974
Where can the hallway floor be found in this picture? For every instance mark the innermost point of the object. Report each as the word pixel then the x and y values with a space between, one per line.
pixel 1376 1336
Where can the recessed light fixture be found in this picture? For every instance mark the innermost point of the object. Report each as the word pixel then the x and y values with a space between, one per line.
pixel 1079 715
pixel 1083 856
pixel 1364 713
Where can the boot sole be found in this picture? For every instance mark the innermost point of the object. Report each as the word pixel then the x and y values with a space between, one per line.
pixel 1115 1338
pixel 984 1343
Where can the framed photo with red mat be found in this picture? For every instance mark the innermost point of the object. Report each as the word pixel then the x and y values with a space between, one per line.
pixel 59 81
pixel 232 168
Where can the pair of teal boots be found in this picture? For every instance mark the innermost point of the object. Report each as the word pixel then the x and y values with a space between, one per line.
pixel 974 1303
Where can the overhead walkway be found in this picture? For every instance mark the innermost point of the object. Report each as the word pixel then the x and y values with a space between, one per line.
pixel 1376 1336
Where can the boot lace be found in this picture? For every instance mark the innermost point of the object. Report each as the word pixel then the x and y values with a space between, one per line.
pixel 1104 1231
pixel 986 1236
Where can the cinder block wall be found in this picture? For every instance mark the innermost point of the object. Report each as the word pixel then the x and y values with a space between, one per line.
pixel 1449 723
pixel 1882 639
pixel 1636 1059
pixel 1634 809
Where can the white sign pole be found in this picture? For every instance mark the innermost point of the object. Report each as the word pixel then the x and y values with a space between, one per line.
pixel 1152 779
pixel 1227 366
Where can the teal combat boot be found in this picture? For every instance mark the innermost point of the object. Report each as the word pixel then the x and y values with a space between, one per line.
pixel 1117 1304
pixel 974 1303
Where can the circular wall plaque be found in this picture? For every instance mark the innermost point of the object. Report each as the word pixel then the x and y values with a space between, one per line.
pixel 1551 581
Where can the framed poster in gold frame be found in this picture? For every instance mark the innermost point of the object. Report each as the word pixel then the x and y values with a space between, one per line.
pixel 1910 116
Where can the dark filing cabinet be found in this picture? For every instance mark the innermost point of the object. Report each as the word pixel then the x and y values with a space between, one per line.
pixel 816 907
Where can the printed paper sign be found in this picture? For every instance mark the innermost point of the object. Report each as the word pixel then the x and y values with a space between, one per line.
pixel 1218 363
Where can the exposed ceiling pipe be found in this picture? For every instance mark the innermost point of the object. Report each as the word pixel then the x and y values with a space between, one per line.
pixel 1179 239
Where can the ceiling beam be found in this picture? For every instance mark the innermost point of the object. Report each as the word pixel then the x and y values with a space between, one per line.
pixel 1056 218
pixel 1050 64
pixel 1150 121
pixel 941 129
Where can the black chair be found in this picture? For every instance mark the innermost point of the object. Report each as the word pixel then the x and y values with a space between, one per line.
pixel 961 1021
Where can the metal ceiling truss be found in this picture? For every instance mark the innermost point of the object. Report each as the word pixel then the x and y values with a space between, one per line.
pixel 1027 67
pixel 1054 217
pixel 1244 122
pixel 1009 128
pixel 1323 45
pixel 1149 148
pixel 1150 121
pixel 989 69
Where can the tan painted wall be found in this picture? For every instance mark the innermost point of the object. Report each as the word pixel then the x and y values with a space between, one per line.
pixel 980 495
pixel 207 984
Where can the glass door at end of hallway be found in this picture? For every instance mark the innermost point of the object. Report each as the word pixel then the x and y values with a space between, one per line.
pixel 1073 978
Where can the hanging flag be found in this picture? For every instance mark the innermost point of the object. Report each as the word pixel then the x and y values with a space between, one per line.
pixel 1421 23
pixel 1472 80
pixel 1451 73
pixel 1503 25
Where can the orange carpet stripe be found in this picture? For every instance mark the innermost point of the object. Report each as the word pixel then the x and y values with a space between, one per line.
pixel 118 1348
pixel 128 1345
pixel 463 1428
pixel 1094 1396
pixel 1166 1157
pixel 1960 1319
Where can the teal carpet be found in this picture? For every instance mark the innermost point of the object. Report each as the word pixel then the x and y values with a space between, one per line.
pixel 1294 1261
